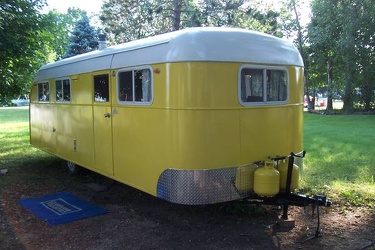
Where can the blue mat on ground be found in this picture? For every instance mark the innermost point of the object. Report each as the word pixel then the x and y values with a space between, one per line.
pixel 60 208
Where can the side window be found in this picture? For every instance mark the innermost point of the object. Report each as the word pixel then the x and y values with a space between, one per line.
pixel 263 85
pixel 43 91
pixel 135 86
pixel 62 87
pixel 101 88
pixel 125 86
pixel 276 85
pixel 252 85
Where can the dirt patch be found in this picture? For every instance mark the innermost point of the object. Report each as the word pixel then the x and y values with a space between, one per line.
pixel 139 221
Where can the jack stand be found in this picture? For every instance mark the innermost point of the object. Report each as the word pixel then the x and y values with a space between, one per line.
pixel 285 222
pixel 317 232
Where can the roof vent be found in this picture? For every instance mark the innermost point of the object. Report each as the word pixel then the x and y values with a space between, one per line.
pixel 102 41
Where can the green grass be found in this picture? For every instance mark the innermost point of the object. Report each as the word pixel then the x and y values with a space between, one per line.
pixel 340 158
pixel 16 153
pixel 14 136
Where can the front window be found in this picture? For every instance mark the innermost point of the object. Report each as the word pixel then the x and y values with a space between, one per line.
pixel 263 85
pixel 135 86
pixel 62 90
pixel 43 91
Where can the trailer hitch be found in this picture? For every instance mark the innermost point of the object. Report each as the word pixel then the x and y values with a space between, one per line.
pixel 289 198
pixel 299 199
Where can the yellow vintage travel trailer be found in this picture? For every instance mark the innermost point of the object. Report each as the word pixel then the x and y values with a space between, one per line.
pixel 182 116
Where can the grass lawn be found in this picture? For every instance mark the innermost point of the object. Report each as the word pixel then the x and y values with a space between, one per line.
pixel 340 159
pixel 14 137
pixel 15 149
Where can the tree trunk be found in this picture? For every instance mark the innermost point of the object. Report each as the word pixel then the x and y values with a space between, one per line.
pixel 367 95
pixel 368 84
pixel 348 95
pixel 329 85
pixel 176 15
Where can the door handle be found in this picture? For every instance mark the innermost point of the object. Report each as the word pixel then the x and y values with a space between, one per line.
pixel 107 115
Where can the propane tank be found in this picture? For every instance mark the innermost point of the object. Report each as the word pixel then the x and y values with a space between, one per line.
pixel 267 180
pixel 283 169
pixel 244 181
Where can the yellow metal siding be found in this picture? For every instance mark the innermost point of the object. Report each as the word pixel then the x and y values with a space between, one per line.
pixel 189 125
pixel 57 127
pixel 202 85
pixel 263 133
pixel 268 131
pixel 148 141
pixel 194 122
pixel 294 110
pixel 82 89
pixel 296 91
pixel 140 146
pixel 295 128
pixel 204 139
pixel 42 119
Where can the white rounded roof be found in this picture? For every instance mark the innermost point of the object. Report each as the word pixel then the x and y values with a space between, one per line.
pixel 193 44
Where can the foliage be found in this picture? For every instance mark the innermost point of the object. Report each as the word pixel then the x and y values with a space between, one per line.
pixel 294 27
pixel 341 33
pixel 29 40
pixel 59 27
pixel 20 27
pixel 84 37
pixel 131 20
pixel 337 47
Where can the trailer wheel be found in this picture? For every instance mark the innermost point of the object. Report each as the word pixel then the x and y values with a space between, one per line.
pixel 73 168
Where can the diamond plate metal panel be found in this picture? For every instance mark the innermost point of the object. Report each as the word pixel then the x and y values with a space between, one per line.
pixel 198 187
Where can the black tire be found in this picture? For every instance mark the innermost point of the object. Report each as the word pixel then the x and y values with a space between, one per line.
pixel 73 168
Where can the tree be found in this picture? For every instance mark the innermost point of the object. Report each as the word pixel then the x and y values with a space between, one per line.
pixel 342 35
pixel 60 27
pixel 20 26
pixel 131 20
pixel 294 28
pixel 29 40
pixel 366 52
pixel 84 38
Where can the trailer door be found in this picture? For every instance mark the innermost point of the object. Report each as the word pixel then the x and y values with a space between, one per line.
pixel 102 123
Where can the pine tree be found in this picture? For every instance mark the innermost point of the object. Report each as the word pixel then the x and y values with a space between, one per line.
pixel 84 38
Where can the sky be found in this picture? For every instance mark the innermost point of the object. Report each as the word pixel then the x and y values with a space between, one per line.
pixel 91 6
pixel 94 6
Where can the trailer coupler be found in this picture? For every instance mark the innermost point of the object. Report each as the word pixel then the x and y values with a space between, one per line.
pixel 302 200
pixel 293 199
